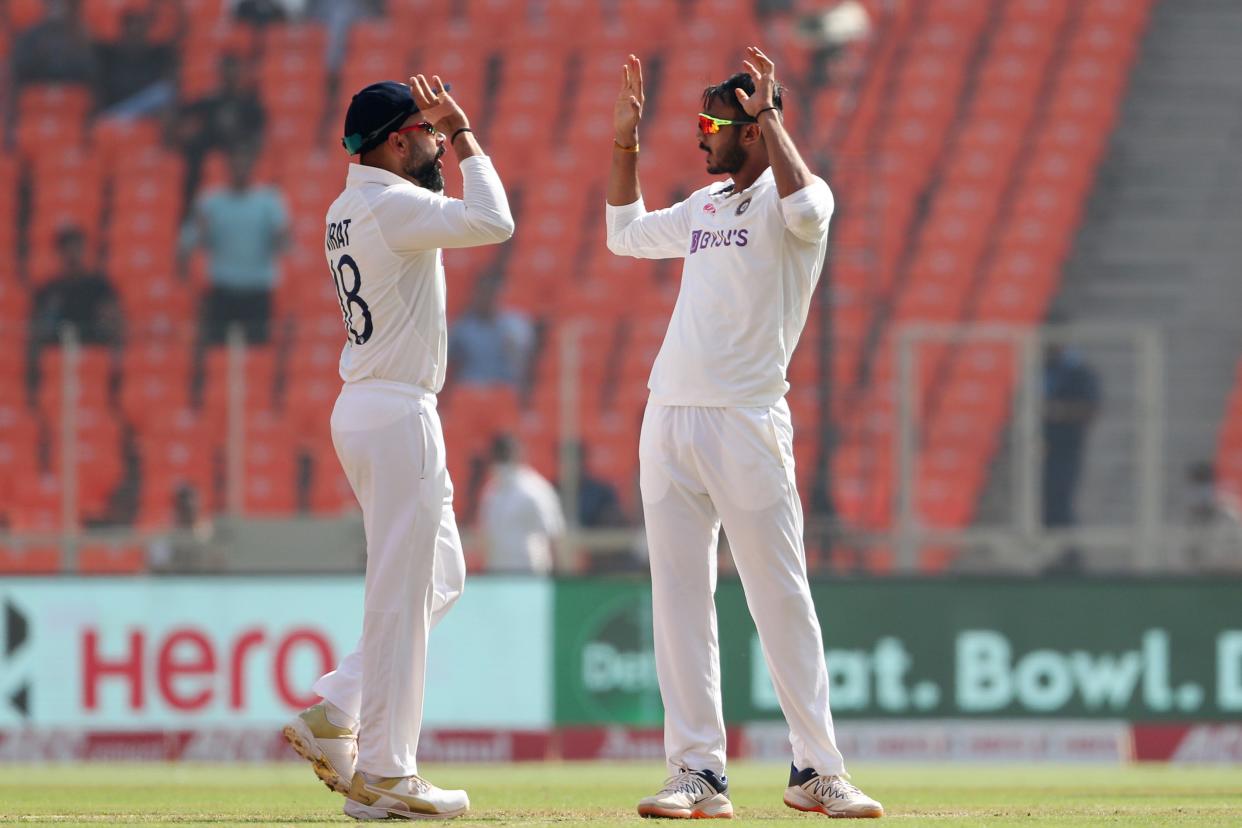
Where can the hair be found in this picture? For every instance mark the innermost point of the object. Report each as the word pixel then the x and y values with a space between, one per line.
pixel 504 448
pixel 724 92
pixel 68 233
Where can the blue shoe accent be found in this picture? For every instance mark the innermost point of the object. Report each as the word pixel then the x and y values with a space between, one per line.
pixel 798 778
pixel 720 783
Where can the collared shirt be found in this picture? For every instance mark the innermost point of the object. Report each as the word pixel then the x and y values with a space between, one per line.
pixel 752 260
pixel 383 242
pixel 520 514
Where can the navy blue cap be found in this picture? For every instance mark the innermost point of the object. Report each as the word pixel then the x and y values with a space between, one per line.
pixel 374 112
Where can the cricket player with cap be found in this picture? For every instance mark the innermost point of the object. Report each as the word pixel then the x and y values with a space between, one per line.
pixel 383 242
pixel 717 441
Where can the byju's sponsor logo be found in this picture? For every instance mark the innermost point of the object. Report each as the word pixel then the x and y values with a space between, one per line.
pixel 14 678
pixel 703 239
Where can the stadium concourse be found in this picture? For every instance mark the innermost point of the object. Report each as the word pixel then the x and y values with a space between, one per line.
pixel 961 139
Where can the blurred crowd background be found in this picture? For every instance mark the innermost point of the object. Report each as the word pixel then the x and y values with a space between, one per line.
pixel 1022 357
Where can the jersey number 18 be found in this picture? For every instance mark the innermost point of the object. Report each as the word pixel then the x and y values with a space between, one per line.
pixel 351 301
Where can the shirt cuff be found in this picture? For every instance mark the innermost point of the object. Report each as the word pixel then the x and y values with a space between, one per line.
pixel 618 217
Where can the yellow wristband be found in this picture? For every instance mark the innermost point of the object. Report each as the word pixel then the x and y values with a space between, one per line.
pixel 623 147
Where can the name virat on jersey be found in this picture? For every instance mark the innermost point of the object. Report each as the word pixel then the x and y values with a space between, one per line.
pixel 338 234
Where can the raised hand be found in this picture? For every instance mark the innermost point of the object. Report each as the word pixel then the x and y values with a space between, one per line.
pixel 629 107
pixel 436 104
pixel 763 72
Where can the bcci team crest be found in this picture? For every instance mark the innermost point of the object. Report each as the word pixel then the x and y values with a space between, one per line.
pixel 742 208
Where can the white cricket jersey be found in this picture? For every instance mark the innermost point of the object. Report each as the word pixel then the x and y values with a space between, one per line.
pixel 751 262
pixel 383 242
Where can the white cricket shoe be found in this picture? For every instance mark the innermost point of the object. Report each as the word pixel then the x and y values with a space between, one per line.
pixel 406 797
pixel 331 750
pixel 829 795
pixel 690 794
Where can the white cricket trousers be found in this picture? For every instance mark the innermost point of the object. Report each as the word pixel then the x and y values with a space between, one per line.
pixel 390 443
pixel 699 467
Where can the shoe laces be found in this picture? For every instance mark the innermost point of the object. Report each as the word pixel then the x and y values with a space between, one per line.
pixel 687 781
pixel 832 787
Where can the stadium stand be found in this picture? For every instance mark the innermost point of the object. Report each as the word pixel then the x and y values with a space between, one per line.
pixel 963 138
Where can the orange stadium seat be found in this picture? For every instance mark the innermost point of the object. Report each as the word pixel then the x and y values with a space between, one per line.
pixel 330 493
pixel 494 19
pixel 258 376
pixel 176 450
pixel 309 400
pixel 19 440
pixel 37 505
pixel 109 559
pixel 22 14
pixel 270 478
pixel 94 375
pixel 155 379
pixel 99 460
pixel 29 559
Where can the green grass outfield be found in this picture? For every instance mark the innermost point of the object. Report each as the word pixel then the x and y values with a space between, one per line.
pixel 605 794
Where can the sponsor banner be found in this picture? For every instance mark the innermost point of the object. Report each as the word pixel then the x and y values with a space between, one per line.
pixel 1188 742
pixel 910 741
pixel 922 740
pixel 66 745
pixel 192 654
pixel 251 745
pixel 604 659
pixel 985 649
pixel 615 743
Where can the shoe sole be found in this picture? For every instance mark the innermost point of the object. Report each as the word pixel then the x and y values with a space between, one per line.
pixel 302 741
pixel 652 811
pixel 820 809
pixel 365 813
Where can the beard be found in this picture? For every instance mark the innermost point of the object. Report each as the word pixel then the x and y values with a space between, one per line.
pixel 728 160
pixel 426 174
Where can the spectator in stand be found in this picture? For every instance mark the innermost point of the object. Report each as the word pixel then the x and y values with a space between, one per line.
pixel 599 507
pixel 137 75
pixel 78 295
pixel 338 17
pixel 262 12
pixel 598 504
pixel 1213 522
pixel 55 50
pixel 1071 399
pixel 230 117
pixel 488 345
pixel 520 514
pixel 189 547
pixel 243 227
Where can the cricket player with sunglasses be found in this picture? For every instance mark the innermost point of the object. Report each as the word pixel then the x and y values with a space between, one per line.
pixel 716 445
